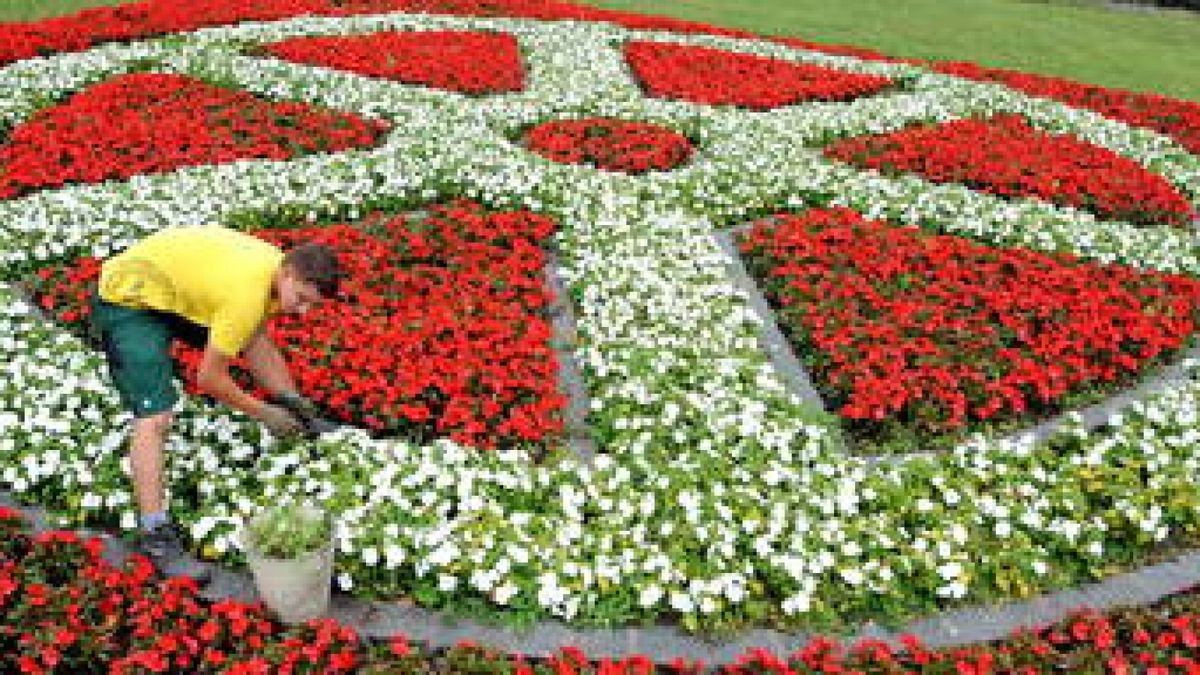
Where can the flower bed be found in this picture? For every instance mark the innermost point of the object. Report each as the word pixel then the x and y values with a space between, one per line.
pixel 149 123
pixel 467 62
pixel 610 144
pixel 916 334
pixel 1005 156
pixel 441 330
pixel 717 498
pixel 717 77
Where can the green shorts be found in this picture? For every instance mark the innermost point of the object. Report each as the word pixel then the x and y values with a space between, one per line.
pixel 137 344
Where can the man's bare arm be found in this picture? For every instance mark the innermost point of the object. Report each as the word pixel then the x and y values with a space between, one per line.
pixel 267 365
pixel 214 378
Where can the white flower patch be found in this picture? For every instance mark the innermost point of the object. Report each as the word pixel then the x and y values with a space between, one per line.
pixel 716 489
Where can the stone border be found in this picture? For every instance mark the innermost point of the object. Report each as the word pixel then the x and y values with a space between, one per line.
pixel 377 619
pixel 570 375
pixel 771 338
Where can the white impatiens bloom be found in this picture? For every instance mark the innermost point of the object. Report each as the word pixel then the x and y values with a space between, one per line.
pixel 650 595
pixel 504 593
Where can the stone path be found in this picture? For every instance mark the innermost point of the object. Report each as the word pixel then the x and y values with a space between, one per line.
pixel 570 376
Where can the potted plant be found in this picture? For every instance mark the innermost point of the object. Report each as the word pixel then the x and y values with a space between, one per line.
pixel 290 552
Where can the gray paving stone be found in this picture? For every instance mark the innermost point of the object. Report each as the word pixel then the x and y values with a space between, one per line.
pixel 570 376
pixel 771 338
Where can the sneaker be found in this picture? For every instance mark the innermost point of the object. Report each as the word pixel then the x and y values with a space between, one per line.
pixel 165 551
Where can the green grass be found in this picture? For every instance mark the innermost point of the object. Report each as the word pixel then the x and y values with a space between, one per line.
pixel 1081 40
pixel 26 10
pixel 1085 41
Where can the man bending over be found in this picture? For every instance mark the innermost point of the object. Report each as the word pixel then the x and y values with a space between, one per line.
pixel 212 287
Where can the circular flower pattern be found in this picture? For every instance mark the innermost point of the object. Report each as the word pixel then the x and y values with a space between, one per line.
pixel 610 144
pixel 718 496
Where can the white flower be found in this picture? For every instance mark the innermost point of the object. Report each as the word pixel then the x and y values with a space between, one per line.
pixel 682 603
pixel 370 556
pixel 950 571
pixel 503 593
pixel 797 604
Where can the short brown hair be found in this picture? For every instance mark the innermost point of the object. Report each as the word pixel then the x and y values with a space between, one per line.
pixel 318 265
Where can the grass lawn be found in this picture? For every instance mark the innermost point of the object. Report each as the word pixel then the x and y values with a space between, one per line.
pixel 1138 50
pixel 25 10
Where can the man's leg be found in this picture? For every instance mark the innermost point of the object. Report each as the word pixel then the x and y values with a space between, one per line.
pixel 136 344
pixel 146 460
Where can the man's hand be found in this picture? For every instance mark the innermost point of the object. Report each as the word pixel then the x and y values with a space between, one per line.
pixel 280 421
pixel 308 413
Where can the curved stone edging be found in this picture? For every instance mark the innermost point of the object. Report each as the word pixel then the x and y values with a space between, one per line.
pixel 663 643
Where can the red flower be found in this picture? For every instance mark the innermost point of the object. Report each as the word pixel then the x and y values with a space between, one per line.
pixel 463 61
pixel 444 330
pixel 717 77
pixel 938 331
pixel 1176 118
pixel 1005 156
pixel 151 123
pixel 610 144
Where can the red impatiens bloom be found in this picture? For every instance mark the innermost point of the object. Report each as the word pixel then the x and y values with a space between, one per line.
pixel 610 144
pixel 1004 155
pixel 717 77
pixel 463 61
pixel 443 330
pixel 150 123
pixel 935 331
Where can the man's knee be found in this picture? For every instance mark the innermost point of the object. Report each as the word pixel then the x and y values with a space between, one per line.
pixel 157 424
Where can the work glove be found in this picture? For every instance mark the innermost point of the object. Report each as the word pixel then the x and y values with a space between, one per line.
pixel 315 424
pixel 280 421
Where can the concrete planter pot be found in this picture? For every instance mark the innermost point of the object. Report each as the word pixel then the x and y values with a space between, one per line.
pixel 296 588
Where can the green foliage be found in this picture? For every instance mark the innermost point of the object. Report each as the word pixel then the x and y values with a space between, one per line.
pixel 289 531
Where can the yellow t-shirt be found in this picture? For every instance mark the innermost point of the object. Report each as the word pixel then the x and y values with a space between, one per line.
pixel 212 276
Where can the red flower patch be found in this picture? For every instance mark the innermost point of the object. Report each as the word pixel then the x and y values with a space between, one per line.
pixel 463 61
pixel 442 331
pixel 905 327
pixel 151 123
pixel 717 77
pixel 610 144
pixel 1173 117
pixel 1003 155
pixel 89 27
